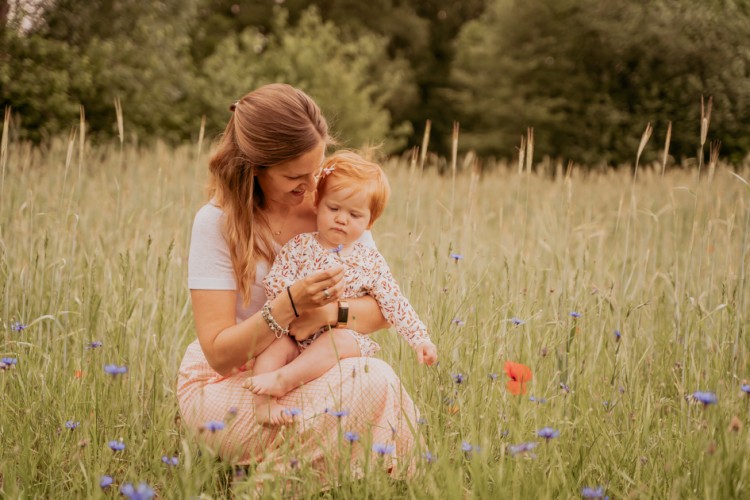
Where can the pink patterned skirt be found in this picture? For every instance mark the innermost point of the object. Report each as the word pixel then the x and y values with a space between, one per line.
pixel 360 395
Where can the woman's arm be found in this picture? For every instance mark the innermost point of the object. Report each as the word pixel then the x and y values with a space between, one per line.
pixel 228 345
pixel 364 317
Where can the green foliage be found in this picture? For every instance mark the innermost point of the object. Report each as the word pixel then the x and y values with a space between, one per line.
pixel 150 70
pixel 43 96
pixel 350 80
pixel 587 76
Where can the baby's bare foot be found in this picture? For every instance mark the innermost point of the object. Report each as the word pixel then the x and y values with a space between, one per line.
pixel 270 384
pixel 271 413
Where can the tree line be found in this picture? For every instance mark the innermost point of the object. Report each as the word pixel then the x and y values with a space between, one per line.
pixel 586 75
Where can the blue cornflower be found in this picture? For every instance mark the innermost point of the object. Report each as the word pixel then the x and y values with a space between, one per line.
pixel 517 449
pixel 592 492
pixel 171 461
pixel 517 321
pixel 564 387
pixel 707 398
pixel 94 345
pixel 294 463
pixel 383 449
pixel 293 412
pixel 541 401
pixel 429 457
pixel 351 437
pixel 338 414
pixel 422 421
pixel 17 326
pixel 575 314
pixel 214 425
pixel 456 257
pixel 547 433
pixel 115 370
pixel 493 376
pixel 6 363
pixel 116 445
pixel 105 482
pixel 458 322
pixel 618 335
pixel 467 447
pixel 337 249
pixel 745 388
pixel 70 424
pixel 140 492
pixel 458 378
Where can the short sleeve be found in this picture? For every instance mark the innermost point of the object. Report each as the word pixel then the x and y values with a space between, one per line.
pixel 209 262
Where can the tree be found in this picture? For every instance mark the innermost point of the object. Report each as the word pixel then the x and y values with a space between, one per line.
pixel 588 76
pixel 350 80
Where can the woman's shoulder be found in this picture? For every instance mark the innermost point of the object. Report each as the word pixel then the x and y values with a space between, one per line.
pixel 210 212
pixel 207 222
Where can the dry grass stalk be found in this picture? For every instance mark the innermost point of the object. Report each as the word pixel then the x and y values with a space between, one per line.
pixel 529 148
pixel 644 140
pixel 425 142
pixel 666 148
pixel 521 155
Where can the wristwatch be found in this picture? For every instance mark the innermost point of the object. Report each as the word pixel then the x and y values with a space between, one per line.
pixel 343 317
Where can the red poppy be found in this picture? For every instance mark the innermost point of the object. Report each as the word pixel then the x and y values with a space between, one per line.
pixel 519 374
pixel 78 374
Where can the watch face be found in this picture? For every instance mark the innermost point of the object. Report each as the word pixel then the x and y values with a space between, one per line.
pixel 343 313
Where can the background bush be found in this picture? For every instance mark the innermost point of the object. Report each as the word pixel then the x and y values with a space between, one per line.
pixel 586 75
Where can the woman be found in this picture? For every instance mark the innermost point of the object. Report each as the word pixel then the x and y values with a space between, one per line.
pixel 261 175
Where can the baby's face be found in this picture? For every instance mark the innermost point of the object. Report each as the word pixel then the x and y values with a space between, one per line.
pixel 343 216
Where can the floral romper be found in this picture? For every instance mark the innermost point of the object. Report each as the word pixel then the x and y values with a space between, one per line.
pixel 367 273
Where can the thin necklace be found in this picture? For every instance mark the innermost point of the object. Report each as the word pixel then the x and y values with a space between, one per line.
pixel 283 223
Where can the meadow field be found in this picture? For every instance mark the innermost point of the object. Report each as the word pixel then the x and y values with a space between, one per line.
pixel 628 300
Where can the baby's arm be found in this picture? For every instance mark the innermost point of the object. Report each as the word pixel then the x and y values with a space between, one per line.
pixel 399 312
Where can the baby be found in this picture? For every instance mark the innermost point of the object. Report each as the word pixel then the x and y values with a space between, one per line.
pixel 351 194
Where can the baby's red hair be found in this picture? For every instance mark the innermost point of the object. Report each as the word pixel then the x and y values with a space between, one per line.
pixel 346 169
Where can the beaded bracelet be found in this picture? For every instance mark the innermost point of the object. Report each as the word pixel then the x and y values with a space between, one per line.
pixel 276 328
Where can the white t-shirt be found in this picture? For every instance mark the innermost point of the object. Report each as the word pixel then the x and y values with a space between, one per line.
pixel 210 266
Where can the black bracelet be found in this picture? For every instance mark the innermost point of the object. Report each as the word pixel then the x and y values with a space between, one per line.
pixel 294 308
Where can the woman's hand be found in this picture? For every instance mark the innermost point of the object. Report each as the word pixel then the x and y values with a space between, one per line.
pixel 310 321
pixel 318 289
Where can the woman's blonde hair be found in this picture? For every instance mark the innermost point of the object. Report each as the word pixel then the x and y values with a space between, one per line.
pixel 270 125
pixel 346 169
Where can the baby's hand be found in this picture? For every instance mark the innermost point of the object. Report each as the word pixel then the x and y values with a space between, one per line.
pixel 426 353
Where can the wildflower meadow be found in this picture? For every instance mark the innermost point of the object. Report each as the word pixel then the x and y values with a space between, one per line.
pixel 591 325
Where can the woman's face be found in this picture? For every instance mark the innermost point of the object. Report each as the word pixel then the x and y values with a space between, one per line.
pixel 287 182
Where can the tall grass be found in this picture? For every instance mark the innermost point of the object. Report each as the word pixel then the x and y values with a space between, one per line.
pixel 93 247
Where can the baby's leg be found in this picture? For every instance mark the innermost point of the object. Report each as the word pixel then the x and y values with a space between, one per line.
pixel 321 356
pixel 278 354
